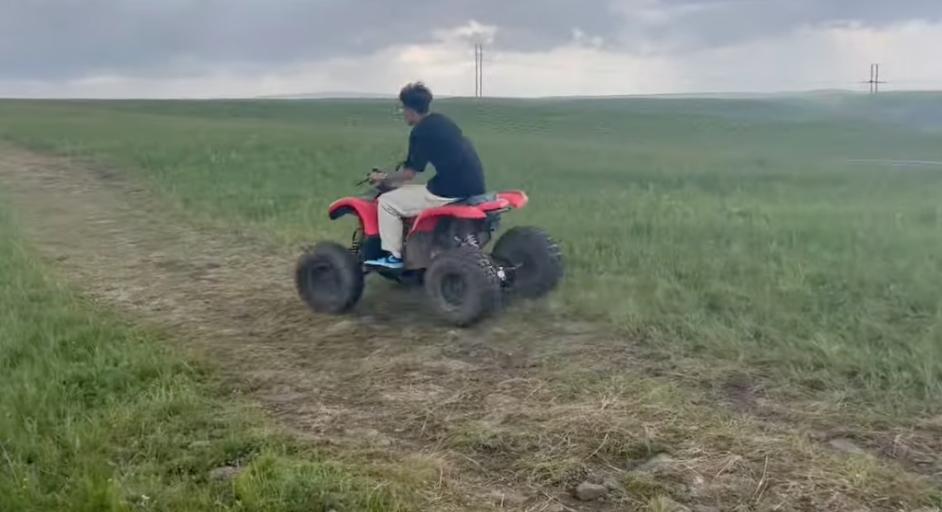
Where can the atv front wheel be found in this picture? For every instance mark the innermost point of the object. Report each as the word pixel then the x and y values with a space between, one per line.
pixel 329 278
pixel 534 261
pixel 463 285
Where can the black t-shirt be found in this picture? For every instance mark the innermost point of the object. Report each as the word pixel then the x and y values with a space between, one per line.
pixel 439 141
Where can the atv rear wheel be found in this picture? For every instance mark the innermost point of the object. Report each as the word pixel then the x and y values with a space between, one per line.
pixel 534 259
pixel 463 285
pixel 329 278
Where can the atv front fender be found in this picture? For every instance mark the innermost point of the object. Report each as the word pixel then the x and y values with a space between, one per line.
pixel 365 210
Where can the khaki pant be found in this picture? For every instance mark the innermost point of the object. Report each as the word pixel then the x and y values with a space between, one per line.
pixel 405 201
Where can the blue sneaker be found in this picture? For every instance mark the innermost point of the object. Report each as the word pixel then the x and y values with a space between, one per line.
pixel 387 262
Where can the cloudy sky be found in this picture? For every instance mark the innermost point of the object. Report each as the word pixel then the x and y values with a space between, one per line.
pixel 224 48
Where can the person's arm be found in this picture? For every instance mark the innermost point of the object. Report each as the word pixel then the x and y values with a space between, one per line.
pixel 415 163
pixel 417 159
pixel 398 178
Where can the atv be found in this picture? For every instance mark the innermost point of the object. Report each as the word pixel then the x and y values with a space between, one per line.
pixel 443 250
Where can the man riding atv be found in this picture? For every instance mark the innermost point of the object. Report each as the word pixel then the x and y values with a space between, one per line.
pixel 435 139
pixel 450 224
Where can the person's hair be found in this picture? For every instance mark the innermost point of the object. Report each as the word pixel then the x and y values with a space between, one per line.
pixel 416 96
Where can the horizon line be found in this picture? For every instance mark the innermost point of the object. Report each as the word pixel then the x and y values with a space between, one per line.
pixel 343 95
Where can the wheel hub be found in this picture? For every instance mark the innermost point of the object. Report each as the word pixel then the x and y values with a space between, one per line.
pixel 453 289
pixel 323 278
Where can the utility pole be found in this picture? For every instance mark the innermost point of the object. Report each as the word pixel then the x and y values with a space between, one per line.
pixel 475 70
pixel 478 70
pixel 874 81
pixel 481 74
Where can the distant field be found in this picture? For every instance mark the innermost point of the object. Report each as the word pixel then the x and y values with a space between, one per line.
pixel 733 230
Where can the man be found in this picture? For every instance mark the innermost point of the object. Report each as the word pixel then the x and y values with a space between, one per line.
pixel 434 139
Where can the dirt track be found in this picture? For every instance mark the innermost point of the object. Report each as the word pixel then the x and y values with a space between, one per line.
pixel 513 408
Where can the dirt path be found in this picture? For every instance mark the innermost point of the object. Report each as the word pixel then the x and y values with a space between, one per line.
pixel 511 415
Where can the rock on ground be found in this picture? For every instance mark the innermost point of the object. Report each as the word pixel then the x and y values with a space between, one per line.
pixel 590 492
pixel 655 463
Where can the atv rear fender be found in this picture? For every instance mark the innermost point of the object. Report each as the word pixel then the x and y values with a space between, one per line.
pixel 502 202
pixel 516 198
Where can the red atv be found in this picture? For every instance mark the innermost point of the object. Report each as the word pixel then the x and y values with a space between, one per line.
pixel 443 250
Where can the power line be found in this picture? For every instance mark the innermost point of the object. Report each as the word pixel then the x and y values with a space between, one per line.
pixel 874 82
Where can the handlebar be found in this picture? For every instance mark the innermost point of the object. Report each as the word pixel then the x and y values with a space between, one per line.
pixel 379 188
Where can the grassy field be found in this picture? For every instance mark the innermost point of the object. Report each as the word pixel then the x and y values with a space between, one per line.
pixel 96 415
pixel 721 236
pixel 735 231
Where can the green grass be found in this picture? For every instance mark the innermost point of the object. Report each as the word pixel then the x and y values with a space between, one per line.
pixel 727 230
pixel 98 416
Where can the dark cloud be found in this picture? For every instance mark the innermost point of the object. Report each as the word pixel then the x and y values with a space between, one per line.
pixel 56 39
pixel 689 24
pixel 48 39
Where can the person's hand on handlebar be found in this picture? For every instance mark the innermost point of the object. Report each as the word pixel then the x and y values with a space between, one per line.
pixel 376 177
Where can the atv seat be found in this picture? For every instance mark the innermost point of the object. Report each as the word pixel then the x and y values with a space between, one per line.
pixel 475 200
pixel 483 202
